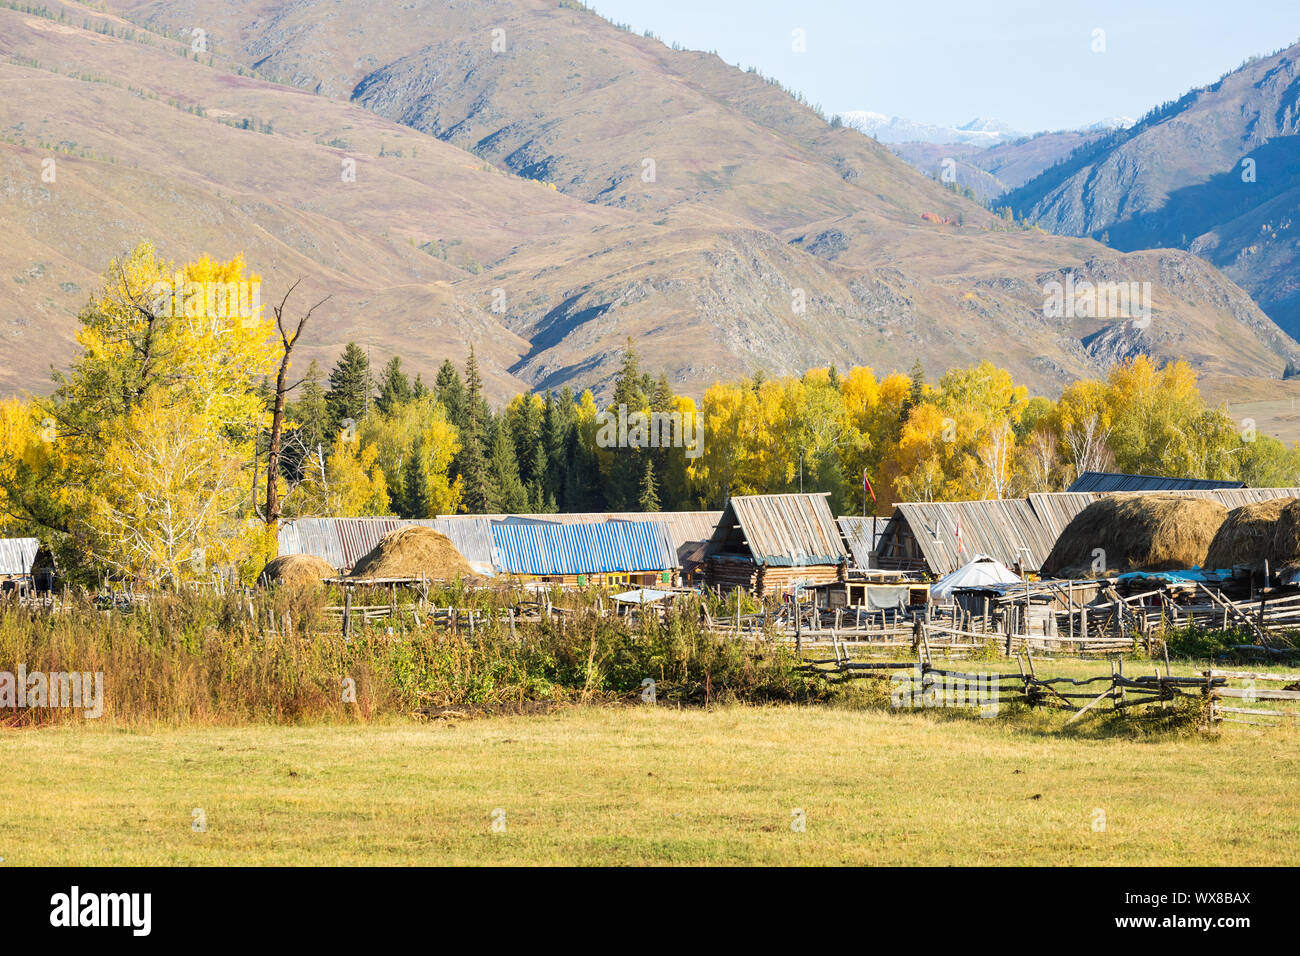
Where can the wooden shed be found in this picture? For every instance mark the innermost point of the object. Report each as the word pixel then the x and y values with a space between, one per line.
pixel 770 543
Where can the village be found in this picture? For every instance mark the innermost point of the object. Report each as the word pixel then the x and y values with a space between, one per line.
pixel 1105 569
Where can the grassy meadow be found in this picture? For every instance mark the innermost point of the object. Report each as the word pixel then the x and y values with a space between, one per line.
pixel 226 740
pixel 648 785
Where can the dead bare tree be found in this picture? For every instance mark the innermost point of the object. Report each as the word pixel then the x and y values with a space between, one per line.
pixel 282 390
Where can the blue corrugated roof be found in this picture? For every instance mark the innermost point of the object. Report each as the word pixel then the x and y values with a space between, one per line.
pixel 552 549
pixel 1110 481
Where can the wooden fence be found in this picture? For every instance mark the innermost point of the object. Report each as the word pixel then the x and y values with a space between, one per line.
pixel 920 680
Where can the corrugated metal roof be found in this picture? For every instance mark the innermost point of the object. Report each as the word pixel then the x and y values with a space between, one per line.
pixel 687 530
pixel 1109 481
pixel 342 542
pixel 607 547
pixel 783 530
pixel 861 538
pixel 18 555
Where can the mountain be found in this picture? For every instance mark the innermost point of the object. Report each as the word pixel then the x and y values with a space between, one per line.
pixel 1217 173
pixel 534 181
pixel 993 171
pixel 978 132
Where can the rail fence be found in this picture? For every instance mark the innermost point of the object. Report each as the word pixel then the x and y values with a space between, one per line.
pixel 920 683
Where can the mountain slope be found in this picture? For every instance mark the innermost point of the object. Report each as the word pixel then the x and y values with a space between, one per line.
pixel 1177 179
pixel 444 239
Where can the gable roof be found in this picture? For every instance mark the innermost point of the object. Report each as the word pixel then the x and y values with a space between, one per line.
pixel 861 538
pixel 1002 527
pixel 795 530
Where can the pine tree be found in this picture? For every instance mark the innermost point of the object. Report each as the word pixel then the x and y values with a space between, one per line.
pixel 506 493
pixel 537 492
pixel 418 388
pixel 350 387
pixel 476 406
pixel 451 393
pixel 917 393
pixel 394 387
pixel 649 500
pixel 629 463
pixel 416 483
pixel 557 422
pixel 472 467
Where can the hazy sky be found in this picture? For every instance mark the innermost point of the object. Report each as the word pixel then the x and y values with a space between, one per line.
pixel 1028 63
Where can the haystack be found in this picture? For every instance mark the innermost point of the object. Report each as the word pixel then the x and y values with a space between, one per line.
pixel 1285 551
pixel 1136 532
pixel 414 552
pixel 1246 539
pixel 296 571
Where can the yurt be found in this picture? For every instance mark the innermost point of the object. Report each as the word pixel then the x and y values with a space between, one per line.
pixel 980 571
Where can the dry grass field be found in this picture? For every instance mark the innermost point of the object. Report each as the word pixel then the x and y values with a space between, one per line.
pixel 649 785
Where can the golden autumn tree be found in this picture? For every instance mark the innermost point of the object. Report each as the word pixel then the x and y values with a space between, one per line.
pixel 155 419
pixel 418 428
pixel 347 482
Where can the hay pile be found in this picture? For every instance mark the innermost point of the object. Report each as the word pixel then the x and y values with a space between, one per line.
pixel 1137 532
pixel 414 552
pixel 296 571
pixel 1285 552
pixel 1250 536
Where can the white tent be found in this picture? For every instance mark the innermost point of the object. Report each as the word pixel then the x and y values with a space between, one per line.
pixel 981 571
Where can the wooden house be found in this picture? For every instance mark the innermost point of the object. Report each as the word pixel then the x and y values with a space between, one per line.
pixel 770 543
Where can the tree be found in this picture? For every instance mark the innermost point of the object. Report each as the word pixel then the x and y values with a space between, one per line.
pixel 473 474
pixel 308 418
pixel 394 387
pixel 348 398
pixel 347 482
pixel 626 465
pixel 174 492
pixel 477 412
pixel 649 500
pixel 153 422
pixel 417 431
pixel 416 483
pixel 451 392
pixel 506 493
pixel 282 387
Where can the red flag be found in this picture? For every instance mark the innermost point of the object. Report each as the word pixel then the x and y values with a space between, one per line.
pixel 960 547
pixel 866 486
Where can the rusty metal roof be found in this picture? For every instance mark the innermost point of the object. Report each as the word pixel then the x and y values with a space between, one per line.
pixel 342 542
pixel 782 530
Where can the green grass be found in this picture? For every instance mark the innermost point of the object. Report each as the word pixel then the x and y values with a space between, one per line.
pixel 648 785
